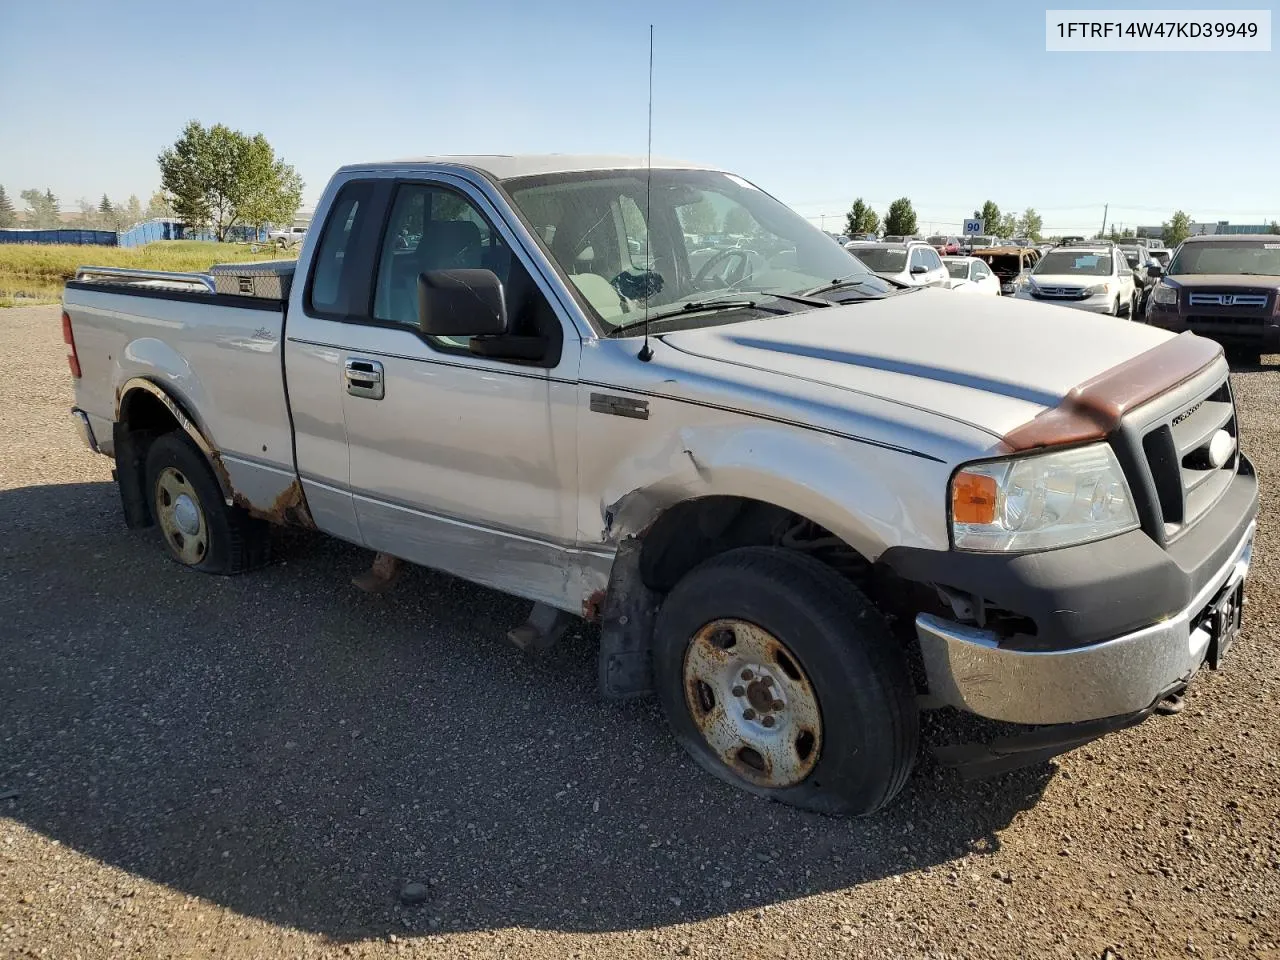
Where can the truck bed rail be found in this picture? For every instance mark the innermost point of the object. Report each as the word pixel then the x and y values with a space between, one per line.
pixel 163 279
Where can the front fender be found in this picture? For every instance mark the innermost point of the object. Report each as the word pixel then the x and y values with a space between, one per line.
pixel 870 496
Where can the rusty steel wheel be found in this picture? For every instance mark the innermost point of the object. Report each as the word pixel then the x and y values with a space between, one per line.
pixel 180 516
pixel 200 530
pixel 753 703
pixel 779 676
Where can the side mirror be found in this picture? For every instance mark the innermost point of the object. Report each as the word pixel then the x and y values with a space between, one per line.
pixel 461 303
pixel 918 269
pixel 1155 270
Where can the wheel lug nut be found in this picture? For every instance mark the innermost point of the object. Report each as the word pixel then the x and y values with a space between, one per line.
pixel 768 721
pixel 738 691
pixel 748 714
pixel 747 675
pixel 767 680
pixel 777 705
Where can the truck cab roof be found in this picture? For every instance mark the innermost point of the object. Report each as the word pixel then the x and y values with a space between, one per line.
pixel 511 166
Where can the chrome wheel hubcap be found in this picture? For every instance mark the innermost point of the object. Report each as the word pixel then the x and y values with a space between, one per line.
pixel 753 703
pixel 180 517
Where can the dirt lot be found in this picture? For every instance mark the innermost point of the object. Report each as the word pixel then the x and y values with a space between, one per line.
pixel 253 767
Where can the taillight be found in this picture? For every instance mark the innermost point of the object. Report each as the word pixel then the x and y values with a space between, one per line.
pixel 73 361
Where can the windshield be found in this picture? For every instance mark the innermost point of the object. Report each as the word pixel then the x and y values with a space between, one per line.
pixel 1162 256
pixel 883 259
pixel 958 269
pixel 1084 264
pixel 707 235
pixel 1005 265
pixel 1238 257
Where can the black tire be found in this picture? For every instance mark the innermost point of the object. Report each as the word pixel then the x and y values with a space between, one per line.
pixel 866 699
pixel 235 541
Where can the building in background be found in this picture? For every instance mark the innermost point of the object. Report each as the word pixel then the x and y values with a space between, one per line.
pixel 1206 229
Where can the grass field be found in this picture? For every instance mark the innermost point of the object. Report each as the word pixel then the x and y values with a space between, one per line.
pixel 35 273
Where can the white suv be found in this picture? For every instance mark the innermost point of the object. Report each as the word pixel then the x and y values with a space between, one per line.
pixel 913 263
pixel 1094 277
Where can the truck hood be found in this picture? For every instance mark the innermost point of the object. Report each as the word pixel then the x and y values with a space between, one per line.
pixel 990 362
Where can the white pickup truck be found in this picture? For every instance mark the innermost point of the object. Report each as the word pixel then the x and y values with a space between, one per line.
pixel 804 504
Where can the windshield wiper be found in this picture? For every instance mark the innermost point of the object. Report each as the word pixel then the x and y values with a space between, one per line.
pixel 693 306
pixel 849 281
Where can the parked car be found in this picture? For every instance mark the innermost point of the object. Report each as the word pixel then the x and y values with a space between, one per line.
pixel 913 263
pixel 946 246
pixel 1139 260
pixel 971 275
pixel 1011 265
pixel 894 238
pixel 1087 276
pixel 1160 255
pixel 1223 287
pixel 803 504
pixel 287 236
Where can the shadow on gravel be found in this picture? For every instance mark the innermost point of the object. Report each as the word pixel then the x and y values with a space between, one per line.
pixel 289 748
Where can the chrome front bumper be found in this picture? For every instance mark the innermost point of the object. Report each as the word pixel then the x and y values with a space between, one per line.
pixel 968 670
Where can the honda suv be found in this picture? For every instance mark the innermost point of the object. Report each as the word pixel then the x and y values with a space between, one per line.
pixel 1226 288
pixel 1088 276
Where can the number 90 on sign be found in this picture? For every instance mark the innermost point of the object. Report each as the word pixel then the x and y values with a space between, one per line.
pixel 972 227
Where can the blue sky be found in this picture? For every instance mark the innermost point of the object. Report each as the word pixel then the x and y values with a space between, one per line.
pixel 947 103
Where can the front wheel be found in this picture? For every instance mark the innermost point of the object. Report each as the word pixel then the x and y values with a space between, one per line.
pixel 778 676
pixel 198 527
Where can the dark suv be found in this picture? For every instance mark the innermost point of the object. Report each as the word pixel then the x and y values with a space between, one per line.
pixel 1223 287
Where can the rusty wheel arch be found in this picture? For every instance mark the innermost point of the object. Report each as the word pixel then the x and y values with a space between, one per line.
pixel 687 533
pixel 181 418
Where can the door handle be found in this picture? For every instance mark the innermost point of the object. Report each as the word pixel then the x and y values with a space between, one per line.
pixel 364 378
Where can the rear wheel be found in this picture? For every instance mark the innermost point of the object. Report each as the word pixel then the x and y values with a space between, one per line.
pixel 780 677
pixel 199 529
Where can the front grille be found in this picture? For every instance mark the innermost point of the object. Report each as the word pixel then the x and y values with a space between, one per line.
pixel 1227 299
pixel 1175 432
pixel 1059 293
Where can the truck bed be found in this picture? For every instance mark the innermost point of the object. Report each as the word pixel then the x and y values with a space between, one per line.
pixel 218 356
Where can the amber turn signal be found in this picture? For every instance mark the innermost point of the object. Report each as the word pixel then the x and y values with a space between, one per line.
pixel 973 498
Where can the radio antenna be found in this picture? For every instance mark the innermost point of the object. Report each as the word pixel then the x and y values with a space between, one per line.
pixel 646 353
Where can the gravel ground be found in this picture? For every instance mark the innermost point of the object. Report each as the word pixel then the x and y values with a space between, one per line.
pixel 253 767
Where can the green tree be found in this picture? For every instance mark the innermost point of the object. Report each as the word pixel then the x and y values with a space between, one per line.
pixel 900 220
pixel 159 206
pixel 1177 229
pixel 129 213
pixel 1275 227
pixel 1007 226
pixel 738 221
pixel 8 216
pixel 105 208
pixel 990 216
pixel 861 219
pixel 220 178
pixel 1030 224
pixel 700 217
pixel 43 209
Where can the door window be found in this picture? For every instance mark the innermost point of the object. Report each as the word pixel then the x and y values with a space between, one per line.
pixel 333 273
pixel 435 228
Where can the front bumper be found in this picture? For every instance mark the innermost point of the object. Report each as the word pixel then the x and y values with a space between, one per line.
pixel 1098 303
pixel 966 667
pixel 1262 332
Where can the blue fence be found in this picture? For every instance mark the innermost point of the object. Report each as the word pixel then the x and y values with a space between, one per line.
pixel 101 238
pixel 149 231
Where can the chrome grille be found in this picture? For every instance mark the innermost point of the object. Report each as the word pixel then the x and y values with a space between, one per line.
pixel 1064 292
pixel 1227 299
pixel 1176 437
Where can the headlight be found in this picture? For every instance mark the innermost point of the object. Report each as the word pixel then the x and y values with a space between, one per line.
pixel 1041 501
pixel 1098 288
pixel 1163 293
